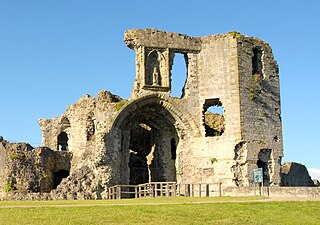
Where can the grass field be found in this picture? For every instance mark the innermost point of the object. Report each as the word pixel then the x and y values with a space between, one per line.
pixel 216 210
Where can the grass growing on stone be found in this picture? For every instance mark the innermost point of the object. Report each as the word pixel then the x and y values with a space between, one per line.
pixel 161 211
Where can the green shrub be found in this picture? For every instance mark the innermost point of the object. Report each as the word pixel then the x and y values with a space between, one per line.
pixel 252 96
pixel 257 79
pixel 213 160
pixel 15 156
pixel 8 186
pixel 234 34
pixel 120 105
pixel 44 174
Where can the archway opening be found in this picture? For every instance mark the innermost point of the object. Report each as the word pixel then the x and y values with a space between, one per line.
pixel 148 148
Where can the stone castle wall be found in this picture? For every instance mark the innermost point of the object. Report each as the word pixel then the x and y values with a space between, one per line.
pixel 260 107
pixel 109 138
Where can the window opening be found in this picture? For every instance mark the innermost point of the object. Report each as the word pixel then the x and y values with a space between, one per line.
pixel 179 73
pixel 63 141
pixel 257 62
pixel 213 117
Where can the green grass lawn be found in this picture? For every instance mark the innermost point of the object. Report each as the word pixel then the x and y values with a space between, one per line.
pixel 161 211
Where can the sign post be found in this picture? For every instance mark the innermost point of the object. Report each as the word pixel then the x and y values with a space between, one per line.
pixel 257 178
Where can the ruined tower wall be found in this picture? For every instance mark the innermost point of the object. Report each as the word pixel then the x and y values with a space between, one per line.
pixel 260 106
pixel 218 79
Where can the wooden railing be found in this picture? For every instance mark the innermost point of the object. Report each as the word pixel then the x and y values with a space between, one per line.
pixel 160 189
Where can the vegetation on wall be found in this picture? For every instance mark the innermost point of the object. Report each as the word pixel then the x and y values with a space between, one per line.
pixel 8 186
pixel 234 34
pixel 119 105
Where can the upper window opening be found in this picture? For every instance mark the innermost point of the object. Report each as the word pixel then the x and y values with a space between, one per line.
pixel 178 74
pixel 257 61
pixel 213 118
pixel 63 141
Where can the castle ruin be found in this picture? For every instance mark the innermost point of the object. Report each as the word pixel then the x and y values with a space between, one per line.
pixel 226 123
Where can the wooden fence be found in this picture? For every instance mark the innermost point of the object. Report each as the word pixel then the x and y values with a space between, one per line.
pixel 161 189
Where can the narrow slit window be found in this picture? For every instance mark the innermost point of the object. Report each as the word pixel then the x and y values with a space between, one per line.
pixel 257 62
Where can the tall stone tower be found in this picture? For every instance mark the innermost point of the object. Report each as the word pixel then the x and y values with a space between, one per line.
pixel 231 73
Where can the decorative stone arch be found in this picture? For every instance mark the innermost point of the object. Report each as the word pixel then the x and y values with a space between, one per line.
pixel 185 120
pixel 145 128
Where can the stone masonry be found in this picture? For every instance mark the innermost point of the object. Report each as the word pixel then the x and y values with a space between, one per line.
pixel 102 141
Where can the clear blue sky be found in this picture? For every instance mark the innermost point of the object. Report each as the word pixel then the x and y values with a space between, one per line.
pixel 53 52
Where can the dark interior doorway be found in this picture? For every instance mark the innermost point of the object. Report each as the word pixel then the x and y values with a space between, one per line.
pixel 139 148
pixel 264 157
pixel 58 176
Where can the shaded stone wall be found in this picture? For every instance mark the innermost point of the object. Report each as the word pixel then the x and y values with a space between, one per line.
pixel 260 107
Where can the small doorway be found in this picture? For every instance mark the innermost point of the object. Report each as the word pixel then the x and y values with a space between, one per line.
pixel 58 176
pixel 263 162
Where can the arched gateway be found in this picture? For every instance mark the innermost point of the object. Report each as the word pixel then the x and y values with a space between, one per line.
pixel 150 132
